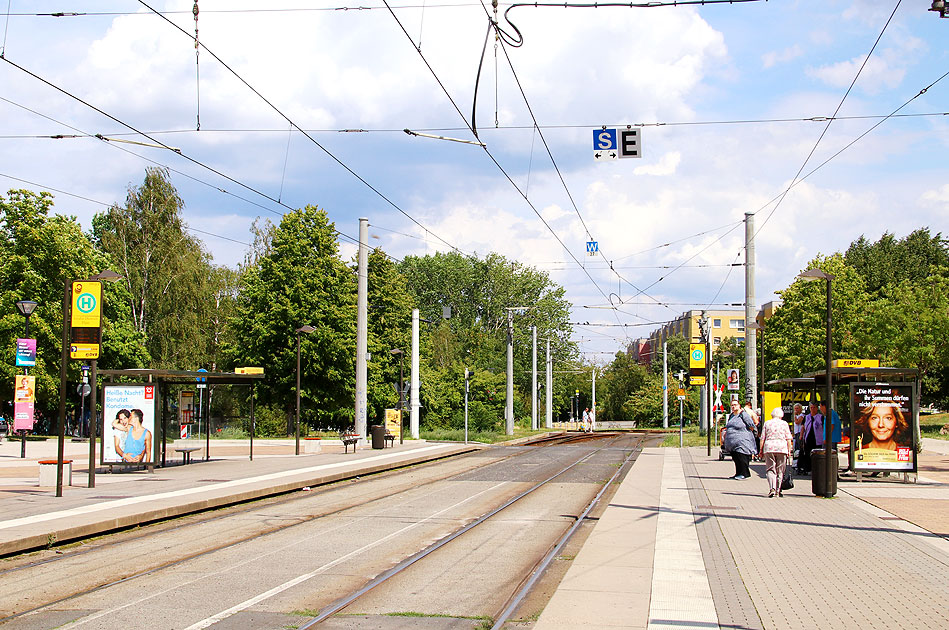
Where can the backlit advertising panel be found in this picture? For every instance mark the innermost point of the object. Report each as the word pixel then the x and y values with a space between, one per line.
pixel 882 429
pixel 129 424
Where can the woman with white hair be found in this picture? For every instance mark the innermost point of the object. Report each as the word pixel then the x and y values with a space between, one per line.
pixel 776 447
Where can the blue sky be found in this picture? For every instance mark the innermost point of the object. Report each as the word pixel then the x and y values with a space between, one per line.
pixel 698 70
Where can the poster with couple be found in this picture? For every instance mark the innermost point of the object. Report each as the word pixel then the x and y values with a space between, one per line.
pixel 129 424
pixel 882 432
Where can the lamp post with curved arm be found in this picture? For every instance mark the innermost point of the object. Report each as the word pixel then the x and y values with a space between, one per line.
pixel 306 328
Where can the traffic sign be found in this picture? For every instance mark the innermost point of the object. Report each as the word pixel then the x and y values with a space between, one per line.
pixel 84 351
pixel 681 394
pixel 697 355
pixel 83 389
pixel 593 248
pixel 612 144
pixel 86 304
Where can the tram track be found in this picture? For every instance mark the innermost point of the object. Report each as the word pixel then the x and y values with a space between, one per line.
pixel 256 506
pixel 541 565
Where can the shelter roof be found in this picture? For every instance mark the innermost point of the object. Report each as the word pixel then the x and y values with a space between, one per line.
pixel 185 376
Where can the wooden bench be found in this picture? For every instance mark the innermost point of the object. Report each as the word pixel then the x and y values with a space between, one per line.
pixel 389 439
pixel 347 437
pixel 186 453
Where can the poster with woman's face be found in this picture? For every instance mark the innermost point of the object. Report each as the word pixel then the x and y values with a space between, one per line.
pixel 882 426
pixel 128 426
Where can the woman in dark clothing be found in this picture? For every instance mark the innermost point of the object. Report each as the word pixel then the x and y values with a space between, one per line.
pixel 740 440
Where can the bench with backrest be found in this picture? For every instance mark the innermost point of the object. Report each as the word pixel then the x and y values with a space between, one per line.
pixel 389 438
pixel 349 436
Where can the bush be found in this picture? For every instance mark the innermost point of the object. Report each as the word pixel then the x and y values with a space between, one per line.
pixel 270 421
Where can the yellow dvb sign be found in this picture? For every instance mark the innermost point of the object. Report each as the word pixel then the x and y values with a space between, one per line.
pixel 86 304
pixel 855 363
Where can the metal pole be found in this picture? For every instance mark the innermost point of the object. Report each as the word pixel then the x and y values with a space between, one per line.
pixel 253 422
pixel 680 424
pixel 549 415
pixel 466 405
pixel 26 372
pixel 207 426
pixel 61 429
pixel 414 402
pixel 593 403
pixel 751 354
pixel 708 405
pixel 93 424
pixel 665 385
pixel 831 464
pixel 534 380
pixel 296 431
pixel 362 334
pixel 402 396
pixel 509 400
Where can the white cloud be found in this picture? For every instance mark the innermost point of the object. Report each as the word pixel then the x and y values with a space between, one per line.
pixel 773 58
pixel 665 166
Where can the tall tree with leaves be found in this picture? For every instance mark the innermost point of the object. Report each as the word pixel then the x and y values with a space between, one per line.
pixel 165 270
pixel 39 252
pixel 300 281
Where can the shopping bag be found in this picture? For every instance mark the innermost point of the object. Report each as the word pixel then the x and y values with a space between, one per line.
pixel 787 482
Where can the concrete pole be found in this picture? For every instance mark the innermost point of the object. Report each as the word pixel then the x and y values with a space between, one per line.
pixel 414 403
pixel 509 401
pixel 361 329
pixel 549 419
pixel 665 385
pixel 593 408
pixel 751 354
pixel 534 380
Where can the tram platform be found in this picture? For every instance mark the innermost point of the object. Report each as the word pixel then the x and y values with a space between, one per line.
pixel 33 517
pixel 681 545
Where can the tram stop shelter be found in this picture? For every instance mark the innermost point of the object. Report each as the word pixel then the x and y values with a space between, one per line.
pixel 144 395
pixel 879 413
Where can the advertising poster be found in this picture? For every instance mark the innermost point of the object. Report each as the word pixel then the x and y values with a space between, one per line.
pixel 882 426
pixel 24 398
pixel 128 424
pixel 394 421
pixel 25 352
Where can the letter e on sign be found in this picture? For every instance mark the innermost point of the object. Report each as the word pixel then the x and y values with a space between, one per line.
pixel 630 145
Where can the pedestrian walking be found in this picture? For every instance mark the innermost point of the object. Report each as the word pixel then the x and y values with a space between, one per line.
pixel 812 436
pixel 740 440
pixel 798 423
pixel 776 449
pixel 754 418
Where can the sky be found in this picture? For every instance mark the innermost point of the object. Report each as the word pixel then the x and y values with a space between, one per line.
pixel 733 101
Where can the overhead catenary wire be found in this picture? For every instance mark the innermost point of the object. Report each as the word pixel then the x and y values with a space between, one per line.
pixel 487 151
pixel 178 152
pixel 109 205
pixel 843 99
pixel 279 112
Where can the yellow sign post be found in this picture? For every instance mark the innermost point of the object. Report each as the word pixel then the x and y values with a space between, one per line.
pixel 86 304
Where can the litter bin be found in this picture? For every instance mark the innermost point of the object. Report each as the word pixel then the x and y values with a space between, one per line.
pixel 378 433
pixel 820 485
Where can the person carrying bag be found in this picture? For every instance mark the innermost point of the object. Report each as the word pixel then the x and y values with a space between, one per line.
pixel 776 448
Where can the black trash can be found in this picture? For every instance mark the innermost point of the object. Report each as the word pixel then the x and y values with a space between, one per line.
pixel 820 485
pixel 378 434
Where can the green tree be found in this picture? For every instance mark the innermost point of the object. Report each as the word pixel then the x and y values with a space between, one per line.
pixel 39 252
pixel 479 292
pixel 301 281
pixel 389 327
pixel 891 261
pixel 622 379
pixel 166 271
pixel 795 338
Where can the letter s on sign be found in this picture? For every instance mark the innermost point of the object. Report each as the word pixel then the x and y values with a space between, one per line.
pixel 604 141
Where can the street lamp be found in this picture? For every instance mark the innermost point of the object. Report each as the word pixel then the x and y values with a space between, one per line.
pixel 306 328
pixel 398 351
pixel 829 488
pixel 26 308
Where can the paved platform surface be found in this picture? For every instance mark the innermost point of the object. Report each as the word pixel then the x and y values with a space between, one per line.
pixel 679 546
pixel 33 516
pixel 683 546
